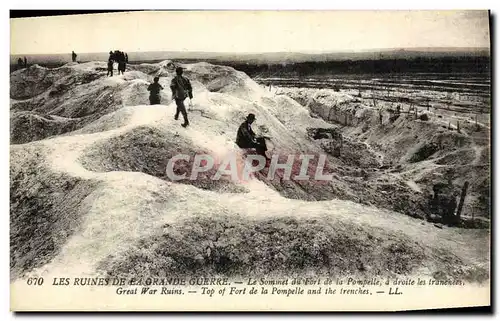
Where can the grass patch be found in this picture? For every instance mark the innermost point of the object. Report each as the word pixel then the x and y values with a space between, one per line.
pixel 233 246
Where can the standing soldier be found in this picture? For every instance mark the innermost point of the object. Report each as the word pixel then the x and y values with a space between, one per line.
pixel 181 89
pixel 154 92
pixel 73 56
pixel 110 64
pixel 122 65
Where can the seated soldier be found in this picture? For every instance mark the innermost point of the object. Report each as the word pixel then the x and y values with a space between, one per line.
pixel 246 138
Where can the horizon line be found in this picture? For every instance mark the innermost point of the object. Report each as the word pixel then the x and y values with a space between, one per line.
pixel 368 50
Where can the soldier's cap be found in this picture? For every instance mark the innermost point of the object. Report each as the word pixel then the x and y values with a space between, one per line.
pixel 251 116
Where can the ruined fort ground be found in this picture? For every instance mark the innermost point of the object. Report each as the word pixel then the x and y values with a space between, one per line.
pixel 89 194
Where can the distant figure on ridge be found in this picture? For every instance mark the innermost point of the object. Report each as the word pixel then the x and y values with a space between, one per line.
pixel 20 63
pixel 181 89
pixel 154 92
pixel 110 64
pixel 121 62
pixel 25 62
pixel 246 137
pixel 73 56
pixel 126 58
pixel 110 68
pixel 116 56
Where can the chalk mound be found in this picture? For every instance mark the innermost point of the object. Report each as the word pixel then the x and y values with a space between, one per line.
pixel 71 96
pixel 29 126
pixel 46 208
pixel 148 150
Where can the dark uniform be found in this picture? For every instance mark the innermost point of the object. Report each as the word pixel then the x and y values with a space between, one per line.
pixel 246 138
pixel 111 60
pixel 154 93
pixel 120 58
pixel 110 68
pixel 181 89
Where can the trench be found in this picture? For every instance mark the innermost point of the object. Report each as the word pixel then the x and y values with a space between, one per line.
pixel 384 154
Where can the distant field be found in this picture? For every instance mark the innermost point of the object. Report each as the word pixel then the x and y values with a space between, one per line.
pixel 474 84
pixel 467 93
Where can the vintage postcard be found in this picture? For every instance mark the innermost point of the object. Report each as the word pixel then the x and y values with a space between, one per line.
pixel 250 161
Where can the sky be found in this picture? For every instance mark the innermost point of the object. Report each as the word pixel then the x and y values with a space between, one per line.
pixel 249 31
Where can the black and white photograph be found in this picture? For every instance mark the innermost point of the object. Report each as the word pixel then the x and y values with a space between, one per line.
pixel 250 160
